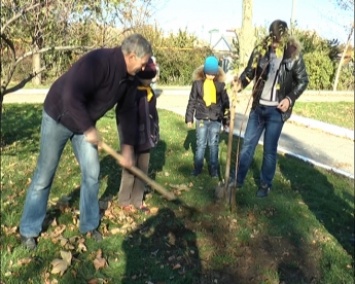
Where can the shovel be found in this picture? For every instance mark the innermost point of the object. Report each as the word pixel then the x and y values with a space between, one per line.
pixel 138 173
pixel 222 190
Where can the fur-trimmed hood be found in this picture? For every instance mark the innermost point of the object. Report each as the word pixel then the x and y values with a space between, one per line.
pixel 293 48
pixel 198 74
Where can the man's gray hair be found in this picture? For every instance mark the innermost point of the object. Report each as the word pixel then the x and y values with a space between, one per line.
pixel 136 44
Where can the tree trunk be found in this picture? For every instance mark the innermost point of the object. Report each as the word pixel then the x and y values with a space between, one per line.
pixel 247 34
pixel 36 65
pixel 336 80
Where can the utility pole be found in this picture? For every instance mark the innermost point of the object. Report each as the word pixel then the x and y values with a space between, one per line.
pixel 246 36
pixel 292 20
pixel 336 80
pixel 211 32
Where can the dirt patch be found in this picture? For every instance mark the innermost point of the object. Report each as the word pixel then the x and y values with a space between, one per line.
pixel 225 258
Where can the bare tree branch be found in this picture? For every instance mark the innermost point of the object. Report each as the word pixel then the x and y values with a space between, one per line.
pixel 19 14
pixel 43 50
pixel 5 83
pixel 9 43
pixel 23 82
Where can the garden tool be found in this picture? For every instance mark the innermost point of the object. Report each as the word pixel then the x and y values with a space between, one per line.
pixel 222 190
pixel 232 187
pixel 138 173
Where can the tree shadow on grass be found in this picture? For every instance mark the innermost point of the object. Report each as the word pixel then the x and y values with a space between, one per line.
pixel 110 171
pixel 331 208
pixel 60 207
pixel 190 141
pixel 20 124
pixel 162 249
pixel 157 159
pixel 190 145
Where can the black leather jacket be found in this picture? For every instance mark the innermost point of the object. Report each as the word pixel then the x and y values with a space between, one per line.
pixel 292 75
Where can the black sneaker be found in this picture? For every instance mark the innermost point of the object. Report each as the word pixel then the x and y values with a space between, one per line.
pixel 96 235
pixel 28 242
pixel 195 173
pixel 263 191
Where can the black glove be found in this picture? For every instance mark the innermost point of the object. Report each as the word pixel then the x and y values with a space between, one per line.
pixel 226 118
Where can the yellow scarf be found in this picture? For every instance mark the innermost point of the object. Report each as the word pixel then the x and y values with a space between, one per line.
pixel 149 91
pixel 209 92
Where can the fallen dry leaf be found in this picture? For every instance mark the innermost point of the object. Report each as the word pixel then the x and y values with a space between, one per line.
pixel 67 256
pixel 177 266
pixel 24 261
pixel 104 229
pixel 57 231
pixel 9 230
pixel 59 266
pixel 154 210
pixel 115 231
pixel 81 247
pixel 97 281
pixel 99 261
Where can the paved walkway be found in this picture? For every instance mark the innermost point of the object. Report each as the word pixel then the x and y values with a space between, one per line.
pixel 318 143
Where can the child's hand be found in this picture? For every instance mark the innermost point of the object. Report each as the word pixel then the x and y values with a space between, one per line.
pixel 189 124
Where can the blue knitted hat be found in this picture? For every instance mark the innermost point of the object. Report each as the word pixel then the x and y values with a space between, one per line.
pixel 211 65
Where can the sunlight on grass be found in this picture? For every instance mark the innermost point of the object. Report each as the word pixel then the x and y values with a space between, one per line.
pixel 299 234
pixel 338 113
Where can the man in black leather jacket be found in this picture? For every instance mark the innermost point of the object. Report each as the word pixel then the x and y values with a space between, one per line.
pixel 277 68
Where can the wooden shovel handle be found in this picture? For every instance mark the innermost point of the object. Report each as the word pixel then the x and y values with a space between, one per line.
pixel 230 136
pixel 138 173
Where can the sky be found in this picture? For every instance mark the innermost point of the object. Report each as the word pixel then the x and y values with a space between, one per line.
pixel 201 16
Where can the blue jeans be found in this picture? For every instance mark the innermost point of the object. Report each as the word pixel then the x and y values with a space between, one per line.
pixel 54 136
pixel 260 119
pixel 207 133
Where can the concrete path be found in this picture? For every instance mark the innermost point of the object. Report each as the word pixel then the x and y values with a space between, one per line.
pixel 321 144
pixel 318 143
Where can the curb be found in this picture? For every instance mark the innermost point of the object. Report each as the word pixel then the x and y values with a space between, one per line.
pixel 303 158
pixel 326 127
pixel 306 122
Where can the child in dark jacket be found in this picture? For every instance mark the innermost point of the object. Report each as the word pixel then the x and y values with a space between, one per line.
pixel 208 105
pixel 130 196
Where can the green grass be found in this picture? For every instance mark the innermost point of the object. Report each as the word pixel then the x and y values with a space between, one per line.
pixel 299 234
pixel 337 113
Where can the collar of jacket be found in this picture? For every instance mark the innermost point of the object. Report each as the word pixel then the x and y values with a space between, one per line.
pixel 292 50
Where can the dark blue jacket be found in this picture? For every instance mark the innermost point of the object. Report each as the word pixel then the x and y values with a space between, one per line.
pixel 148 122
pixel 91 87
